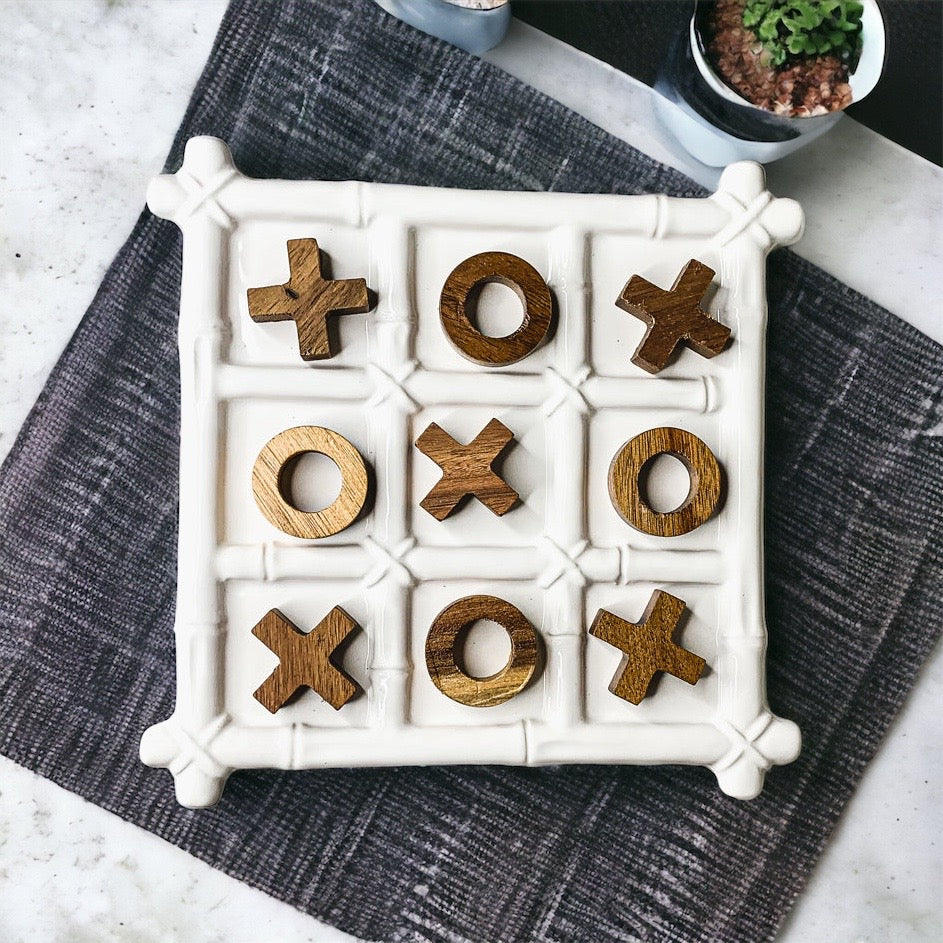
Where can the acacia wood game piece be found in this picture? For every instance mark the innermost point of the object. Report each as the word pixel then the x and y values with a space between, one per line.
pixel 308 298
pixel 305 659
pixel 459 300
pixel 270 479
pixel 673 317
pixel 446 638
pixel 627 468
pixel 647 646
pixel 466 470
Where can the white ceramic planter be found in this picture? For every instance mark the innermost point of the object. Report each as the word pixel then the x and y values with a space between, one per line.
pixel 693 114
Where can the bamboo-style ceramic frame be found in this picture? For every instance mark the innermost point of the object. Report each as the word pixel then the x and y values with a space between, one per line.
pixel 570 405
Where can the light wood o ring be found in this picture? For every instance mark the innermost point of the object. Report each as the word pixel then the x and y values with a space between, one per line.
pixel 446 635
pixel 459 299
pixel 703 471
pixel 268 482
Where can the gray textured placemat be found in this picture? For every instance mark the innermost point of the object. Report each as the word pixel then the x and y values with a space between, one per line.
pixel 854 468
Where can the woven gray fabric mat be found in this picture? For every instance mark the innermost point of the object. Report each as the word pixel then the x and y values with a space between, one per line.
pixel 88 516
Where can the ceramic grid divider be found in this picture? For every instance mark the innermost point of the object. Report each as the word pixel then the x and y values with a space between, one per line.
pixel 201 743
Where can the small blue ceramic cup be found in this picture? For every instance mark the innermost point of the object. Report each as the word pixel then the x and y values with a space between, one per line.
pixel 473 25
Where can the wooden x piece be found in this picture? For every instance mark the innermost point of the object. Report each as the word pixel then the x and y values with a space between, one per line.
pixel 305 659
pixel 647 646
pixel 466 470
pixel 673 317
pixel 307 298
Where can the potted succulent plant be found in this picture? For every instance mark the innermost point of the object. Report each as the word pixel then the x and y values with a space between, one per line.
pixel 758 78
pixel 791 57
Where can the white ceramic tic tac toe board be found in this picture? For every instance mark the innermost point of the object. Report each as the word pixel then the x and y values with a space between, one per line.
pixel 563 559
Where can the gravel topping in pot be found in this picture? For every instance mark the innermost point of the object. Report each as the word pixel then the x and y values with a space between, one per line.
pixel 800 88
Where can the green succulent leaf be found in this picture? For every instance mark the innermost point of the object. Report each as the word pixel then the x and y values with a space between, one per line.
pixel 806 28
pixel 751 16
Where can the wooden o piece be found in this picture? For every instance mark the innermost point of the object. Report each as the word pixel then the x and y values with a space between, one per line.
pixel 673 316
pixel 459 300
pixel 307 298
pixel 697 458
pixel 268 482
pixel 647 646
pixel 466 469
pixel 305 660
pixel 445 639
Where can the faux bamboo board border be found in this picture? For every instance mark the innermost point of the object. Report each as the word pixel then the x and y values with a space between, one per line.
pixel 201 743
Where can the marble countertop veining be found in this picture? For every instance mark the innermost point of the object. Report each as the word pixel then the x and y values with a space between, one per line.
pixel 92 94
pixel 116 883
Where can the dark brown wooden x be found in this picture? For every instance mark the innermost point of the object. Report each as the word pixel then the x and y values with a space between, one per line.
pixel 305 659
pixel 466 469
pixel 673 317
pixel 307 298
pixel 647 646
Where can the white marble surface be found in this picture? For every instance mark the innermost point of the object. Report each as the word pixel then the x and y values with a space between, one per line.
pixel 115 883
pixel 92 93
